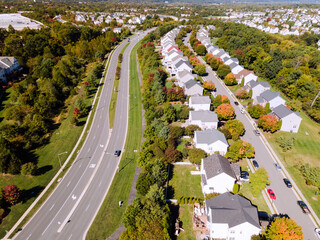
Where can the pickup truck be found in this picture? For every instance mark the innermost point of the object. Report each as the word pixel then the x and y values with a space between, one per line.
pixel 304 207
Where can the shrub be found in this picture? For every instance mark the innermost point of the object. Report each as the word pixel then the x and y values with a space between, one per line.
pixel 211 195
pixel 11 194
pixel 256 111
pixel 242 94
pixel 286 143
pixel 236 188
pixel 196 154
pixel 28 169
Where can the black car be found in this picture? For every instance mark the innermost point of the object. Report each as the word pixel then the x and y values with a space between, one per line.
pixel 303 206
pixel 255 164
pixel 236 103
pixel 256 132
pixel 287 182
pixel 117 153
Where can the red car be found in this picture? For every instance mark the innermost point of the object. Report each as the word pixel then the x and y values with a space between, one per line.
pixel 271 194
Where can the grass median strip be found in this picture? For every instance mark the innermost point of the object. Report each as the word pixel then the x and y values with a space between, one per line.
pixel 114 96
pixel 109 216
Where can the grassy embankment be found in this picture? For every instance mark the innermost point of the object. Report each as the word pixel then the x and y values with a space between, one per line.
pixel 63 139
pixel 114 96
pixel 110 215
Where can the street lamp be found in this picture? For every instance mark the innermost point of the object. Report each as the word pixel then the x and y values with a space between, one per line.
pixel 59 157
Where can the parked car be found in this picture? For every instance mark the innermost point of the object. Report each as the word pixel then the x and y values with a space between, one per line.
pixel 256 132
pixel 263 216
pixel 271 194
pixel 236 103
pixel 278 167
pixel 317 231
pixel 287 182
pixel 242 111
pixel 255 164
pixel 303 206
pixel 244 176
pixel 117 153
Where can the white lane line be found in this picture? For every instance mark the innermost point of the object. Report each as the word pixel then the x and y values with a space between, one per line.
pixel 51 207
pixel 98 126
pixel 89 150
pixel 87 207
pixel 70 237
pixel 94 136
pixel 80 165
pixel 28 237
pixel 99 183
pixel 68 183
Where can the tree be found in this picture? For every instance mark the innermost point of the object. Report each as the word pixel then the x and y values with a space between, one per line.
pixel 201 50
pixel 144 182
pixel 241 93
pixel 172 155
pixel 295 105
pixel 267 108
pixel 230 80
pixel 286 143
pixel 29 168
pixel 219 99
pixel 235 128
pixel 189 131
pixel 242 82
pixel 239 150
pixel 200 69
pixel 208 85
pixel 196 154
pixel 11 194
pixel 223 71
pixel 225 112
pixel 256 111
pixel 311 174
pixel 176 131
pixel 269 123
pixel 284 228
pixel 250 93
pixel 258 181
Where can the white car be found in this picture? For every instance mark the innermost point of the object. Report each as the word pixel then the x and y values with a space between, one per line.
pixel 242 110
pixel 317 231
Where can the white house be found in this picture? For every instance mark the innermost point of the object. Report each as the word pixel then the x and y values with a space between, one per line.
pixel 180 65
pixel 7 66
pixel 257 87
pixel 246 75
pixel 183 77
pixel 268 96
pixel 200 103
pixel 231 217
pixel 211 141
pixel 290 120
pixel 235 68
pixel 217 174
pixel 192 88
pixel 205 119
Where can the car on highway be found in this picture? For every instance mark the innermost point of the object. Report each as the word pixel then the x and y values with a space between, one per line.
pixel 256 132
pixel 117 153
pixel 242 111
pixel 236 103
pixel 303 206
pixel 255 164
pixel 287 182
pixel 271 194
pixel 317 231
pixel 278 167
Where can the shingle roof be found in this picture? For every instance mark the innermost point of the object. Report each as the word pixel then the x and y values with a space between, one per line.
pixel 282 111
pixel 204 116
pixel 233 65
pixel 232 210
pixel 200 100
pixel 265 84
pixel 210 136
pixel 269 95
pixel 191 83
pixel 216 164
pixel 178 64
pixel 183 73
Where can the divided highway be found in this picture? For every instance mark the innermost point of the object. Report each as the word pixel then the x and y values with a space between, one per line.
pixel 286 202
pixel 69 211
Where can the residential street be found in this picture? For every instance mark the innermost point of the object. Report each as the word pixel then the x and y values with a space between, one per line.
pixel 286 202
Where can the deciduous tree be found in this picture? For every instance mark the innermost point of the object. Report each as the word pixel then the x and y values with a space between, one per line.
pixel 239 150
pixel 196 154
pixel 208 85
pixel 235 128
pixel 229 79
pixel 269 123
pixel 225 112
pixel 11 194
pixel 284 228
pixel 258 181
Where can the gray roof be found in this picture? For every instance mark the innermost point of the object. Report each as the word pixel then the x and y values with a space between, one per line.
pixel 259 99
pixel 232 210
pixel 265 84
pixel 210 136
pixel 204 116
pixel 233 65
pixel 269 95
pixel 225 59
pixel 216 164
pixel 236 169
pixel 282 111
pixel 178 64
pixel 200 100
pixel 191 83
pixel 183 73
pixel 235 60
pixel 253 83
pixel 219 54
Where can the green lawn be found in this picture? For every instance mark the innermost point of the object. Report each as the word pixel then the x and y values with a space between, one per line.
pixel 305 150
pixel 114 96
pixel 185 215
pixel 110 215
pixel 183 184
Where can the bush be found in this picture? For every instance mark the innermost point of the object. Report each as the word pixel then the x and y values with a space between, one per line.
pixel 256 111
pixel 311 174
pixel 211 195
pixel 189 131
pixel 28 169
pixel 241 93
pixel 286 143
pixel 11 194
pixel 236 188
pixel 196 154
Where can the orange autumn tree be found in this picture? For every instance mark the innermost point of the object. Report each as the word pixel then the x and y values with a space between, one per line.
pixel 284 228
pixel 269 123
pixel 225 112
pixel 230 80
pixel 209 85
pixel 239 150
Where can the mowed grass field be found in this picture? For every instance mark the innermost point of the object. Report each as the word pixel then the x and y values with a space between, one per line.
pixel 109 216
pixel 306 150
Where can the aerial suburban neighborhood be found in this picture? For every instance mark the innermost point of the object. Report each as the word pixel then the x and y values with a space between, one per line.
pixel 167 120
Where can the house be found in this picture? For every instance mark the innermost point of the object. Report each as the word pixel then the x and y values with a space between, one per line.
pixel 235 68
pixel 183 77
pixel 192 88
pixel 290 120
pixel 246 75
pixel 211 141
pixel 200 103
pixel 273 98
pixel 232 217
pixel 205 119
pixel 231 60
pixel 257 87
pixel 217 174
pixel 182 65
pixel 7 66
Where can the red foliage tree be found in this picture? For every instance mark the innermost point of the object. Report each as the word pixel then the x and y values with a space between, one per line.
pixel 172 155
pixel 76 113
pixel 269 123
pixel 11 194
pixel 225 112
pixel 242 94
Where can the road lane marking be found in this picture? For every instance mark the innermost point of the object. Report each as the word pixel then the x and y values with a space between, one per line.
pixel 99 183
pixel 51 207
pixel 89 150
pixel 87 207
pixel 28 237
pixel 70 237
pixel 68 183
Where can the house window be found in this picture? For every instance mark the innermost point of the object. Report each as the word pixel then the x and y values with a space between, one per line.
pixel 211 188
pixel 232 238
pixel 232 231
pixel 294 126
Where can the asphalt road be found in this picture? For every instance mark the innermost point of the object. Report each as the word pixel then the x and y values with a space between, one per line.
pixel 70 209
pixel 286 202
